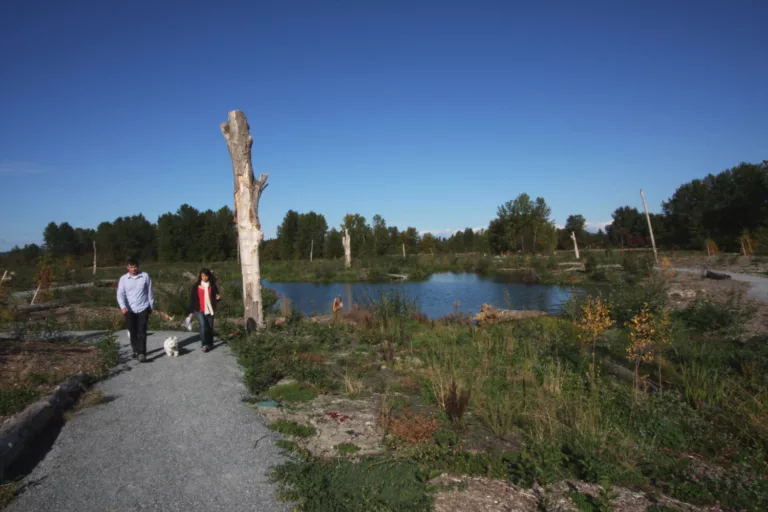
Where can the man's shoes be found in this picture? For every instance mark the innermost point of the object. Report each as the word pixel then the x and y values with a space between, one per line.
pixel 205 348
pixel 142 358
pixel 135 355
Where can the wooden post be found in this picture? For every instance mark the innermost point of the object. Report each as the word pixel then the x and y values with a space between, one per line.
pixel 403 250
pixel 311 250
pixel 575 244
pixel 94 258
pixel 247 194
pixel 35 295
pixel 347 249
pixel 650 228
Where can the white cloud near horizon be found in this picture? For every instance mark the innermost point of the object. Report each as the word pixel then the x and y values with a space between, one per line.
pixel 20 167
pixel 591 226
pixel 595 226
pixel 445 233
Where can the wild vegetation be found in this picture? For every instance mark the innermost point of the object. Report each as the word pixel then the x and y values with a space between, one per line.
pixel 538 400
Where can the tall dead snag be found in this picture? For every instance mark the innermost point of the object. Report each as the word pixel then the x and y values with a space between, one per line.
pixel 650 228
pixel 247 194
pixel 347 249
pixel 94 258
pixel 575 244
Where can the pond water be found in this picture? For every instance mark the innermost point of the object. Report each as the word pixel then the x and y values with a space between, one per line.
pixel 436 296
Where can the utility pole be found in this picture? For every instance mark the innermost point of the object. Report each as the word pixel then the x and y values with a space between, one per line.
pixel 650 228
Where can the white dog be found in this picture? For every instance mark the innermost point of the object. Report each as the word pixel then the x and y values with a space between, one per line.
pixel 172 346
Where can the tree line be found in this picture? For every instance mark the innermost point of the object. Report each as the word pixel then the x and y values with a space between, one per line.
pixel 719 209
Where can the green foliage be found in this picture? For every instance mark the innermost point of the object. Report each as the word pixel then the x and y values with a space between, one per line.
pixel 291 428
pixel 291 393
pixel 522 224
pixel 8 493
pixel 15 400
pixel 719 206
pixel 269 355
pixel 626 300
pixel 342 485
pixel 392 310
pixel 587 503
pixel 346 448
pixel 703 384
pixel 42 378
pixel 286 445
pixel 704 316
pixel 109 353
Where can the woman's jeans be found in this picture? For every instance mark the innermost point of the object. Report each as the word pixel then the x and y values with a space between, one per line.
pixel 206 328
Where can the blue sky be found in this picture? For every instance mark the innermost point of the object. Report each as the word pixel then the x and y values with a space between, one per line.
pixel 430 113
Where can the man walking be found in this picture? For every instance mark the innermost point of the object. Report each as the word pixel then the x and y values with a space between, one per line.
pixel 134 295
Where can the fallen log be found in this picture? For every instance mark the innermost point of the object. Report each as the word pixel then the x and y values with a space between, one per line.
pixel 489 315
pixel 716 275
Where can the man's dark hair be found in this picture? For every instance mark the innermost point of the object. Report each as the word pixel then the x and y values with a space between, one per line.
pixel 132 261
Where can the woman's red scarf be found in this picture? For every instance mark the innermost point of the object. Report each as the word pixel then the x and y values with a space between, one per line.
pixel 201 297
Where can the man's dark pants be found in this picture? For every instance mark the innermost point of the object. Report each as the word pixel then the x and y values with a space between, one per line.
pixel 137 326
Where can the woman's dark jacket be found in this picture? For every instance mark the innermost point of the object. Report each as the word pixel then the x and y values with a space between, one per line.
pixel 194 298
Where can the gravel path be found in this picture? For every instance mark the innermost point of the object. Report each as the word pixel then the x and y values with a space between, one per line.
pixel 173 435
pixel 758 289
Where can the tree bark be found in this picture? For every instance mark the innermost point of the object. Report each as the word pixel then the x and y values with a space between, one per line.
pixel 347 249
pixel 575 244
pixel 650 228
pixel 247 194
pixel 94 258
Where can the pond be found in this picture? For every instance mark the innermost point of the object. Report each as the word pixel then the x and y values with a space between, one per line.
pixel 436 296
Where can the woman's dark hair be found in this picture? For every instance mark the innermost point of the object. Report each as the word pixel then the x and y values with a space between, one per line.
pixel 206 271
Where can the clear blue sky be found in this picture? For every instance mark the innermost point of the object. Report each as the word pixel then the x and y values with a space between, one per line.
pixel 431 113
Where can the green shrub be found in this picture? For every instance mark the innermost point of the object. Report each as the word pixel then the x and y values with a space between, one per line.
pixel 551 262
pixel 42 378
pixel 627 300
pixel 291 393
pixel 342 485
pixel 347 448
pixel 704 316
pixel 291 428
pixel 15 400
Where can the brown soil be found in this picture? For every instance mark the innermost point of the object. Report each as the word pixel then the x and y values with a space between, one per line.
pixel 336 420
pixel 21 360
pixel 469 494
pixel 725 262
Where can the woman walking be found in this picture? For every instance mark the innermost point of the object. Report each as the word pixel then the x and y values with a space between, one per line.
pixel 202 304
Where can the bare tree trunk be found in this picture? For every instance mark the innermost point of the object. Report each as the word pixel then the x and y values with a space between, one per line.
pixel 311 250
pixel 575 244
pixel 650 228
pixel 403 250
pixel 247 194
pixel 94 258
pixel 743 250
pixel 347 249
pixel 3 279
